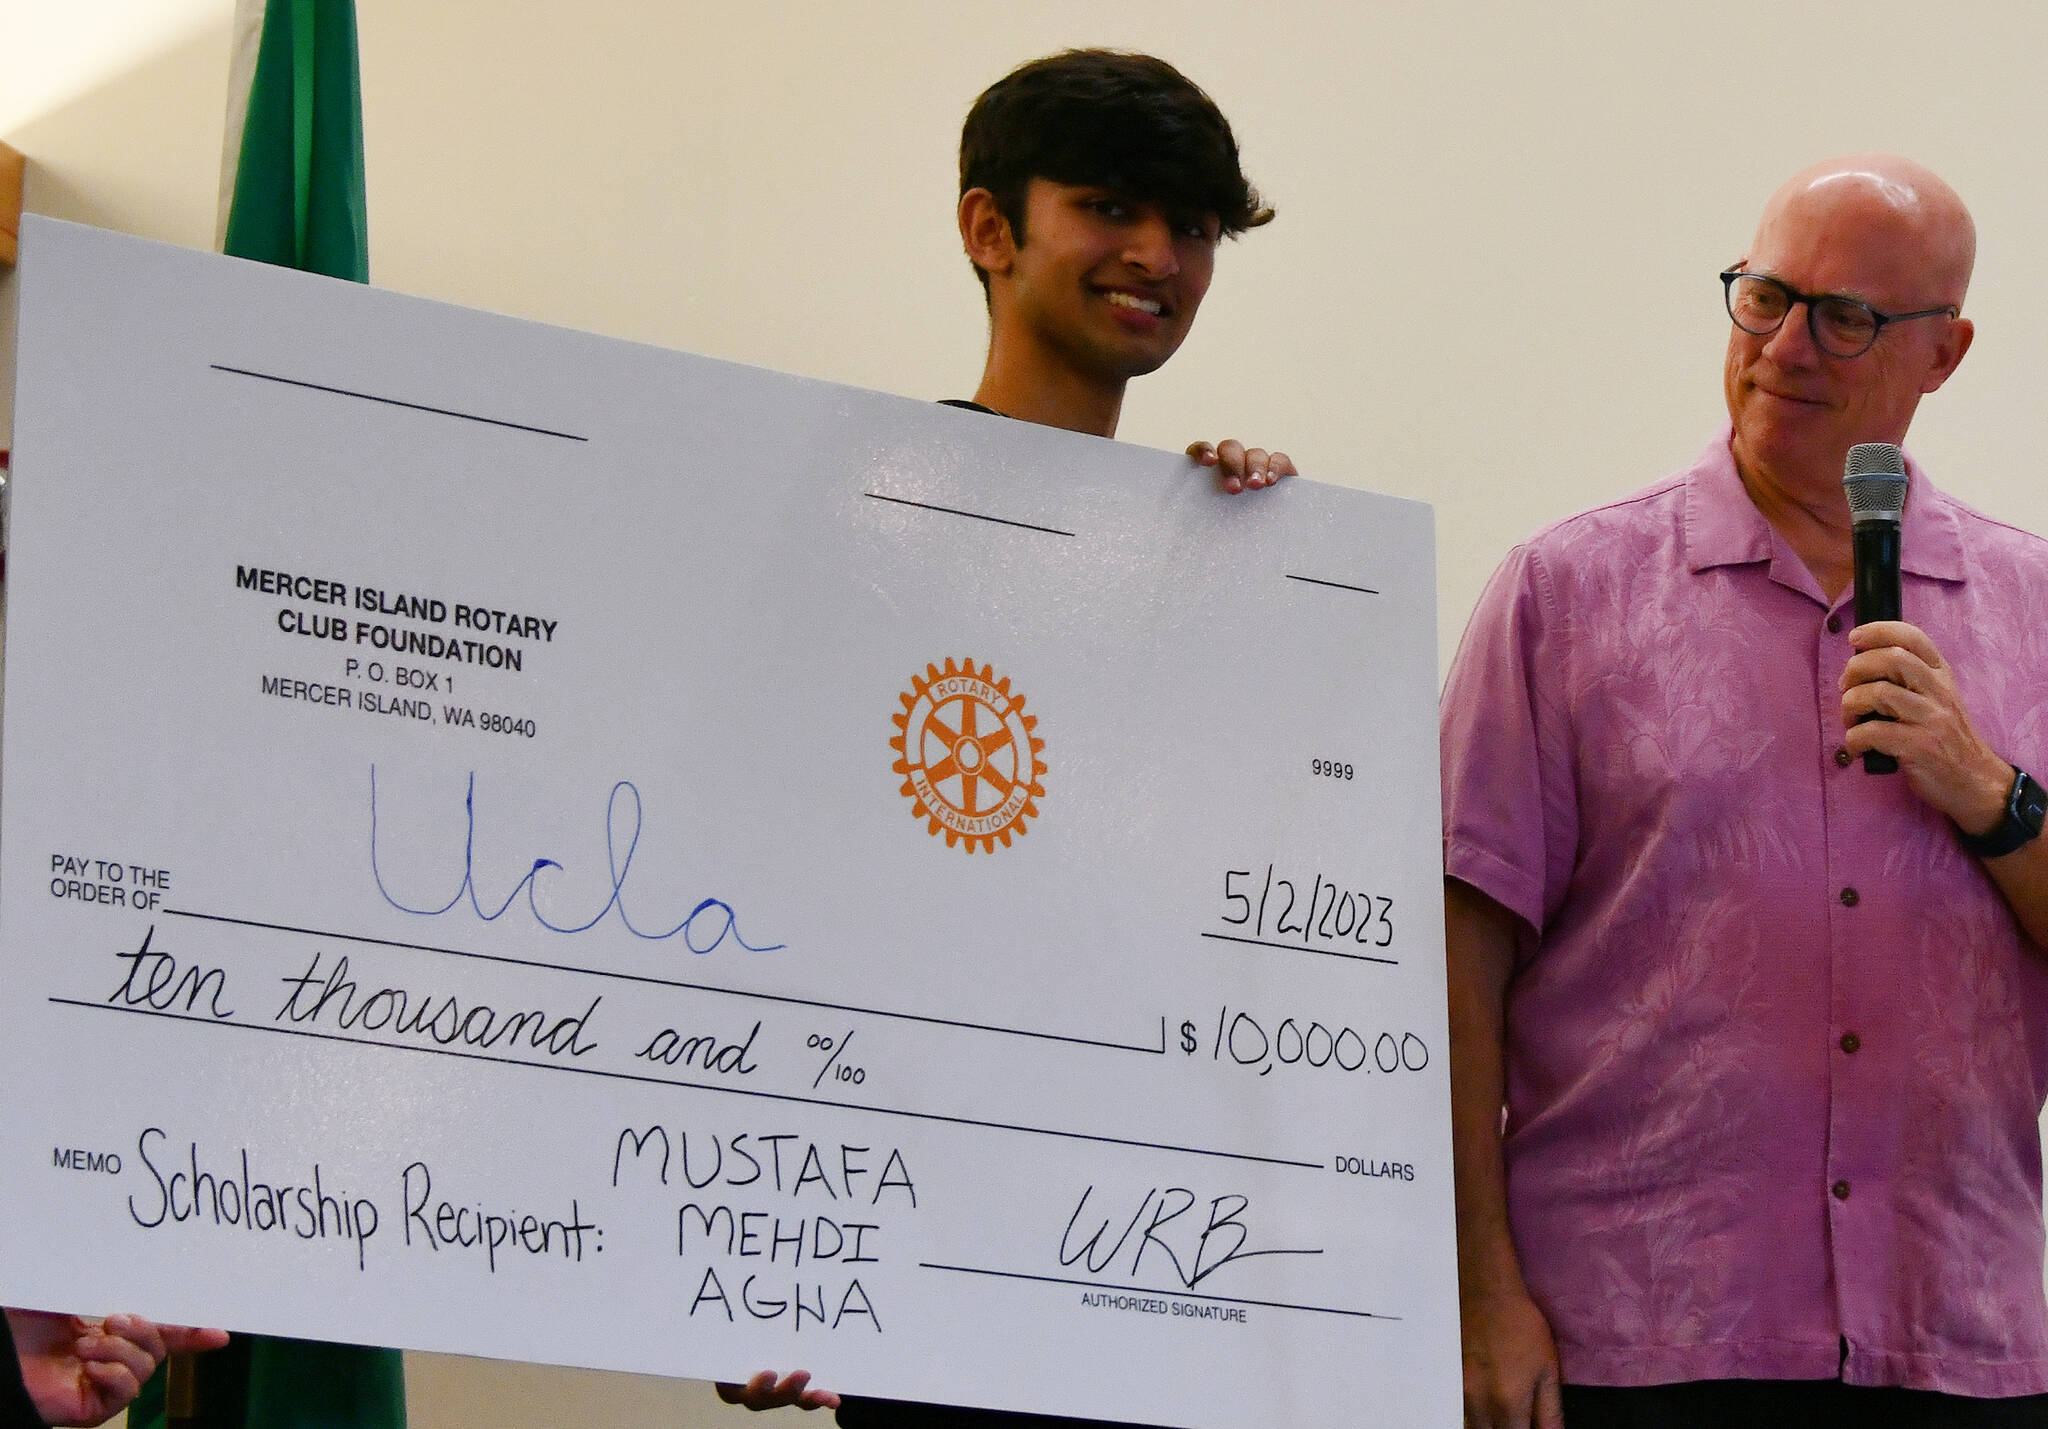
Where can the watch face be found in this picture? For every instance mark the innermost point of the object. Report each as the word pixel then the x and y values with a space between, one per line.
pixel 2030 803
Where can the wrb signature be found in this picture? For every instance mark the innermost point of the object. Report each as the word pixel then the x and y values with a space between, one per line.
pixel 1196 1248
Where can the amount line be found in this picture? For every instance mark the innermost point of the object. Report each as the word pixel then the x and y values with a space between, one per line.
pixel 792 1098
pixel 395 402
pixel 971 515
pixel 1301 948
pixel 1148 1290
pixel 536 964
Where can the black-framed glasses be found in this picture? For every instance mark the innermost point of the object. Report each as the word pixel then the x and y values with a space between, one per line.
pixel 1841 327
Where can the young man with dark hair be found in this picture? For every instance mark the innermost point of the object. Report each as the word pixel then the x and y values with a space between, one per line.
pixel 1094 188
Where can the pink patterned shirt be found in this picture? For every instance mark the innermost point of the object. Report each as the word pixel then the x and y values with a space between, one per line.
pixel 1776 1046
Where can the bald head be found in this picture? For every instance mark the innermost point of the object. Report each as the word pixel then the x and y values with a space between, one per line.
pixel 1882 200
pixel 1886 233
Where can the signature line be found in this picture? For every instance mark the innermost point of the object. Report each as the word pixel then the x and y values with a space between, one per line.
pixel 1334 585
pixel 972 515
pixel 395 402
pixel 1148 1290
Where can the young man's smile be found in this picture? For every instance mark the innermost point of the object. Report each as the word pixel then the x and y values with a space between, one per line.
pixel 1110 281
pixel 1135 302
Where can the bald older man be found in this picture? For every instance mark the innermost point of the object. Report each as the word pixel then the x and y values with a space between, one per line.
pixel 1748 1045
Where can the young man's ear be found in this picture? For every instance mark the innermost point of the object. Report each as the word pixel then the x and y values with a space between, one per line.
pixel 985 233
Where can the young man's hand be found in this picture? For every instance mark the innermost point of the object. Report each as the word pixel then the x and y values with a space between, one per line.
pixel 80 1372
pixel 1510 1358
pixel 1242 468
pixel 766 1391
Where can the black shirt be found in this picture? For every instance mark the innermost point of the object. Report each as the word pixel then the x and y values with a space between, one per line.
pixel 890 1414
pixel 17 1410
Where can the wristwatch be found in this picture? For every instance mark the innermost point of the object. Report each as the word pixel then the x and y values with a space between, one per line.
pixel 2026 807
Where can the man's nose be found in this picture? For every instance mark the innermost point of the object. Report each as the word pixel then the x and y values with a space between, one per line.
pixel 1792 344
pixel 1149 248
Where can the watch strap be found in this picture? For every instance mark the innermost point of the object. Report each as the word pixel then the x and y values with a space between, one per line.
pixel 2026 808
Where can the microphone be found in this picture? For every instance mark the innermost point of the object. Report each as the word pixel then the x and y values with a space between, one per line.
pixel 1875 481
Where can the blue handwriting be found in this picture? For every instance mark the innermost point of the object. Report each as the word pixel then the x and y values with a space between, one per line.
pixel 711 910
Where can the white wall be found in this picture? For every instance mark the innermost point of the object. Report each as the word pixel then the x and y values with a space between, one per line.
pixel 1491 284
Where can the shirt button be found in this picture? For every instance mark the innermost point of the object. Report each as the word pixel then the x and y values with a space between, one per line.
pixel 1850 1042
pixel 1850 898
pixel 1842 758
pixel 1834 624
pixel 1840 1190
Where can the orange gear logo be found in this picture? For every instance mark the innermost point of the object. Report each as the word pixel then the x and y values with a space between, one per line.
pixel 969 761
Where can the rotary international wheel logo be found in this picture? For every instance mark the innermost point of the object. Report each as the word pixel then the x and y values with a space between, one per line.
pixel 970 765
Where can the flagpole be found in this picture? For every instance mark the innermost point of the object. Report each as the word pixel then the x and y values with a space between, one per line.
pixel 11 168
pixel 182 1407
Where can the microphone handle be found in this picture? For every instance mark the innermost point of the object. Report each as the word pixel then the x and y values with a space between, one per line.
pixel 1877 598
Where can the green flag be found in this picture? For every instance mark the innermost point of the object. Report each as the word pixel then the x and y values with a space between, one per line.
pixel 292 175
pixel 262 1382
pixel 292 194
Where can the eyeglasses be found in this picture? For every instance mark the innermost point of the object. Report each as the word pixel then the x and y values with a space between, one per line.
pixel 1841 327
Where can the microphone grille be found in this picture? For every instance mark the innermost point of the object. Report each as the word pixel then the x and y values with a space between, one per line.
pixel 1875 459
pixel 1875 482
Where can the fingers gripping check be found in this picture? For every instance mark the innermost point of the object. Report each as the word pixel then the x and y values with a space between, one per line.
pixel 1241 468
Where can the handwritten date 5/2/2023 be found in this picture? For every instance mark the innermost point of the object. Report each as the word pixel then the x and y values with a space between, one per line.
pixel 1262 901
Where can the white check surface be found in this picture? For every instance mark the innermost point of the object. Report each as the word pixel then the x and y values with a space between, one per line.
pixel 458 889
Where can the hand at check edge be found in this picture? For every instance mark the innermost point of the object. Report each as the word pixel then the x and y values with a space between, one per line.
pixel 1510 1362
pixel 1242 468
pixel 81 1372
pixel 768 1391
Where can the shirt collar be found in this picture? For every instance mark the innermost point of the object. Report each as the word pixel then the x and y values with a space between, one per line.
pixel 1724 528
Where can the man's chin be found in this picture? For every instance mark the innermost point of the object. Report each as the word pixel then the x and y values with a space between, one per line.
pixel 1139 361
pixel 1792 443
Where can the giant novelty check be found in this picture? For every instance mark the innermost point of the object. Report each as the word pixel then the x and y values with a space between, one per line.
pixel 528 845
